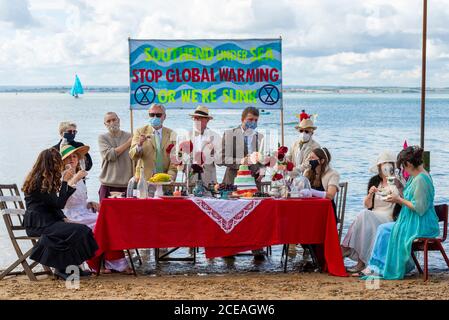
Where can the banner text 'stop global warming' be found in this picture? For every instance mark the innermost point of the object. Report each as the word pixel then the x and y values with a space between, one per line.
pixel 228 74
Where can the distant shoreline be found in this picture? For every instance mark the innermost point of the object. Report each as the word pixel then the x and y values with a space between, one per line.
pixel 287 89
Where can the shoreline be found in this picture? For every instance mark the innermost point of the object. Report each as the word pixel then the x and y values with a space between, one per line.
pixel 296 286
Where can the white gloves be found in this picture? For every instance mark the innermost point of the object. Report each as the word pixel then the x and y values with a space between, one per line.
pixel 305 193
pixel 318 194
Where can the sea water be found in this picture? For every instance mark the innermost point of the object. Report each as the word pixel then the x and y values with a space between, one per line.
pixel 354 127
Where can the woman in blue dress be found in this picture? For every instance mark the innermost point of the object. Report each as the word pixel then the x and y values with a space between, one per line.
pixel 391 256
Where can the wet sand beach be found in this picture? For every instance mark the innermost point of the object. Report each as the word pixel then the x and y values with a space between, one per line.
pixel 239 278
pixel 309 286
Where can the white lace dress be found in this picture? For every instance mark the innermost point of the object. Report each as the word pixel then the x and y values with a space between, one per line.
pixel 362 232
pixel 76 210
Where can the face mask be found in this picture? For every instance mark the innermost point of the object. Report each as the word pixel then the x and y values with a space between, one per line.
pixel 155 122
pixel 113 128
pixel 306 137
pixel 197 126
pixel 387 169
pixel 251 125
pixel 314 164
pixel 69 136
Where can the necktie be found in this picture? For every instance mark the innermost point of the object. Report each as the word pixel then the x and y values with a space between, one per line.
pixel 159 161
pixel 245 151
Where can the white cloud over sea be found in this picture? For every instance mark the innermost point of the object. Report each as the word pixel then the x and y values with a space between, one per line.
pixel 325 42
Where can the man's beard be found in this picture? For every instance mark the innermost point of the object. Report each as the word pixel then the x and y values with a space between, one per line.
pixel 114 128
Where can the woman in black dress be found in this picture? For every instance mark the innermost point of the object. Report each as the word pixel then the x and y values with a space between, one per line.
pixel 62 243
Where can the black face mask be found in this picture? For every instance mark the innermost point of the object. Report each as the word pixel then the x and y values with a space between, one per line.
pixel 314 164
pixel 69 136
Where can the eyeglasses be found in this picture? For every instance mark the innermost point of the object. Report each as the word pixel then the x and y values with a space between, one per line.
pixel 72 131
pixel 302 130
pixel 152 115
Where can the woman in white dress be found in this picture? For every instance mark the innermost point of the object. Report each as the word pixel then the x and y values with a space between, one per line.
pixel 358 242
pixel 80 210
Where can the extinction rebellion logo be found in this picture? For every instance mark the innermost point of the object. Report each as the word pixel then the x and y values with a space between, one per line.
pixel 269 94
pixel 144 95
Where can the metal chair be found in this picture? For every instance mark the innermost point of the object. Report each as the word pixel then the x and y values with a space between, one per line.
pixel 340 204
pixel 432 244
pixel 13 216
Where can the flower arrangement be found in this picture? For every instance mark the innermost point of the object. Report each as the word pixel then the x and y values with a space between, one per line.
pixel 283 167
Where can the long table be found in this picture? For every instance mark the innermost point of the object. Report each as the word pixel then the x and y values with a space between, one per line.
pixel 162 223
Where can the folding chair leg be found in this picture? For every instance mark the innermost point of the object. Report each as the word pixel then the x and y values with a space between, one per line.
pixel 426 261
pixel 285 253
pixel 139 257
pixel 416 263
pixel 26 267
pixel 440 246
pixel 132 262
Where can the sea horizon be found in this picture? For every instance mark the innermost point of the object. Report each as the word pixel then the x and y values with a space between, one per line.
pixel 319 89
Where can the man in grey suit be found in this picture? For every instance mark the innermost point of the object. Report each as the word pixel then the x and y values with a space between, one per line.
pixel 239 143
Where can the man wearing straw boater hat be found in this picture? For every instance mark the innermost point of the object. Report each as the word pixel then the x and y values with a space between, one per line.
pixel 206 145
pixel 300 151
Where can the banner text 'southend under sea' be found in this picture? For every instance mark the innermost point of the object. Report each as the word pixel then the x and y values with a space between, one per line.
pixel 227 74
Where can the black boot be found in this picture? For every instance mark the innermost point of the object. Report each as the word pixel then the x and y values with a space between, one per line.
pixel 84 273
pixel 59 274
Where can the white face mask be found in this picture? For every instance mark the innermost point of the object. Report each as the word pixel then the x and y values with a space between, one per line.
pixel 197 126
pixel 305 137
pixel 387 169
pixel 114 127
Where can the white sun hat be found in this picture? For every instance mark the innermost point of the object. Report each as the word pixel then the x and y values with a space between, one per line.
pixel 384 157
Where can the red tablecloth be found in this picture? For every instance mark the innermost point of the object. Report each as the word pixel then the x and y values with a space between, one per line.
pixel 162 223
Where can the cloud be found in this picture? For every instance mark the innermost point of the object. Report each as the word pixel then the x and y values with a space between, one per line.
pixel 345 42
pixel 16 13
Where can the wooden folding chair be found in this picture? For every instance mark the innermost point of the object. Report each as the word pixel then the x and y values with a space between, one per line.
pixel 432 244
pixel 13 211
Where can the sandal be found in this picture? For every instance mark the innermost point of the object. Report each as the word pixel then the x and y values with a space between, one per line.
pixel 105 271
pixel 128 271
pixel 356 269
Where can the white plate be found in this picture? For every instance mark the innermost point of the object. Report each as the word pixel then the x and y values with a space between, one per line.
pixel 159 183
pixel 174 197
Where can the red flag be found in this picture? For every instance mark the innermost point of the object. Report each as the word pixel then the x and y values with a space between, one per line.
pixel 404 173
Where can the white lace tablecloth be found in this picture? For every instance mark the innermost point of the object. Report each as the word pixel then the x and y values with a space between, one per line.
pixel 226 213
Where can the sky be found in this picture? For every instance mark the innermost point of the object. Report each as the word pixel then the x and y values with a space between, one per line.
pixel 325 42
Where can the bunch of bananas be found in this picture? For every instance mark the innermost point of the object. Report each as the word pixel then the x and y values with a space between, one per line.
pixel 160 177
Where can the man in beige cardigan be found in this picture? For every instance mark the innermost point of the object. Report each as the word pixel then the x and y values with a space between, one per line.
pixel 151 144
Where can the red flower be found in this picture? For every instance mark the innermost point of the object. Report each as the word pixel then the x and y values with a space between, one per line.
pixel 281 157
pixel 186 146
pixel 169 148
pixel 290 166
pixel 277 176
pixel 283 150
